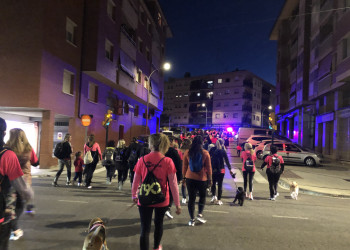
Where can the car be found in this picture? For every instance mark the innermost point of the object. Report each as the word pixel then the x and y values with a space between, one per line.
pixel 244 133
pixel 260 147
pixel 294 153
pixel 256 139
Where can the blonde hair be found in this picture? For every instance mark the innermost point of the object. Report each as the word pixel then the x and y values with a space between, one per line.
pixel 159 142
pixel 175 145
pixel 66 137
pixel 218 144
pixel 18 141
pixel 121 143
pixel 249 146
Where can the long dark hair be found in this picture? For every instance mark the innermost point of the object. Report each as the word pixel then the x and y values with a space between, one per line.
pixel 196 146
pixel 91 140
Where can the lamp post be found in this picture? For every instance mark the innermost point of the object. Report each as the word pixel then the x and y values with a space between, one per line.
pixel 262 115
pixel 206 115
pixel 166 67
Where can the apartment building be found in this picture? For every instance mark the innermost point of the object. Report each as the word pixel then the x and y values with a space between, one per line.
pixel 313 69
pixel 62 59
pixel 234 99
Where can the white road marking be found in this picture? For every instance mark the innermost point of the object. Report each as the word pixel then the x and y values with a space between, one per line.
pixel 213 211
pixel 290 217
pixel 74 201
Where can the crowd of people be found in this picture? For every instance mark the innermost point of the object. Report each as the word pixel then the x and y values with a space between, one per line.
pixel 194 163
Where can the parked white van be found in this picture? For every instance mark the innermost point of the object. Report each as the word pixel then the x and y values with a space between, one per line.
pixel 245 133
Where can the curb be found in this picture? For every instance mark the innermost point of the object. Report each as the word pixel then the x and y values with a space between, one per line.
pixel 285 185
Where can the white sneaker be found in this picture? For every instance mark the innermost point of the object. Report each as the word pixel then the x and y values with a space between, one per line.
pixel 15 235
pixel 191 223
pixel 90 187
pixel 79 184
pixel 219 203
pixel 251 196
pixel 168 214
pixel 213 199
pixel 201 219
pixel 272 199
pixel 276 195
pixel 184 200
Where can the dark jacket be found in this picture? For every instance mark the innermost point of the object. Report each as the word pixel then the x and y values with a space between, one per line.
pixel 223 160
pixel 133 146
pixel 67 150
pixel 174 155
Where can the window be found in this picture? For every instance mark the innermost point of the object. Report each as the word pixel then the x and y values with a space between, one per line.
pixel 93 92
pixel 149 27
pixel 235 115
pixel 236 91
pixel 139 76
pixel 345 48
pixel 218 104
pixel 235 104
pixel 220 80
pixel 346 5
pixel 186 94
pixel 143 17
pixel 227 80
pixel 159 19
pixel 136 111
pixel 111 9
pixel 253 117
pixel 227 92
pixel 236 78
pixel 140 45
pixel 217 116
pixel 226 104
pixel 292 148
pixel 258 118
pixel 71 31
pixel 225 115
pixel 68 82
pixel 148 54
pixel 109 50
pixel 185 105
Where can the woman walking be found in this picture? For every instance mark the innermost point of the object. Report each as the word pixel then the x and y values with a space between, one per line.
pixel 64 160
pixel 164 170
pixel 248 157
pixel 19 144
pixel 109 161
pixel 197 173
pixel 121 163
pixel 95 149
pixel 218 159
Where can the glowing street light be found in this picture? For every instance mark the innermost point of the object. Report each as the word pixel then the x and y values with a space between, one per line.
pixel 262 115
pixel 206 115
pixel 166 66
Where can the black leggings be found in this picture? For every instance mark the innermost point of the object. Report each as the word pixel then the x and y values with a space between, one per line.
pixel 192 187
pixel 89 171
pixel 122 174
pixel 245 178
pixel 217 178
pixel 146 220
pixel 273 182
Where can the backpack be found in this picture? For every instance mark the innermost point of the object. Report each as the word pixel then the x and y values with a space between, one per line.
pixel 58 152
pixel 216 160
pixel 109 156
pixel 132 157
pixel 196 163
pixel 275 166
pixel 145 151
pixel 88 158
pixel 249 164
pixel 150 191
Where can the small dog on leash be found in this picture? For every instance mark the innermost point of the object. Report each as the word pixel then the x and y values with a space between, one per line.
pixel 294 190
pixel 240 196
pixel 96 238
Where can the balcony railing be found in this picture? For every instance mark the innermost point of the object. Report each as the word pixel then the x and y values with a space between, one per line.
pixel 129 33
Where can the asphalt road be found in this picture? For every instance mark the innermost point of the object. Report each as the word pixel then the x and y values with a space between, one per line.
pixel 63 214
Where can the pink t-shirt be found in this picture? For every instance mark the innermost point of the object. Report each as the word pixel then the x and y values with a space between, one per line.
pixel 245 155
pixel 94 147
pixel 164 172
pixel 268 160
pixel 9 165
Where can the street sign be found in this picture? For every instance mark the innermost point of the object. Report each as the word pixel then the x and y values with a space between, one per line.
pixel 85 120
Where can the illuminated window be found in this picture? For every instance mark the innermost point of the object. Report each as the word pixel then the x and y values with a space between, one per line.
pixel 220 80
pixel 68 82
pixel 217 116
pixel 71 30
pixel 139 76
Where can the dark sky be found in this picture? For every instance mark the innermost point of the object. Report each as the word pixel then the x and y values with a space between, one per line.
pixel 214 36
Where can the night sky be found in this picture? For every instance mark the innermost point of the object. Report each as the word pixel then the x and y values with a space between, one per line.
pixel 214 36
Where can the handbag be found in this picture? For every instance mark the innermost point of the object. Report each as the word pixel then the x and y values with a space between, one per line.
pixel 88 158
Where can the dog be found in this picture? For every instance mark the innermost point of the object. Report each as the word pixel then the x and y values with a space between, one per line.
pixel 96 238
pixel 240 196
pixel 294 190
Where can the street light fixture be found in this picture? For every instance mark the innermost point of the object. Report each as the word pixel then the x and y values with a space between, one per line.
pixel 206 115
pixel 262 115
pixel 166 66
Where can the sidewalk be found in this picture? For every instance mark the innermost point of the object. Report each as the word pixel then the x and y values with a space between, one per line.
pixel 330 179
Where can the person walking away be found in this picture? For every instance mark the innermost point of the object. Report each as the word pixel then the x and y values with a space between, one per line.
pixel 185 145
pixel 63 152
pixel 173 154
pixel 78 164
pixel 248 157
pixel 95 150
pixel 109 157
pixel 19 144
pixel 11 185
pixel 164 170
pixel 196 170
pixel 133 154
pixel 239 149
pixel 218 157
pixel 275 167
pixel 121 163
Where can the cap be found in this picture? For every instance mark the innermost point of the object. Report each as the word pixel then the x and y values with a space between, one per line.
pixel 2 124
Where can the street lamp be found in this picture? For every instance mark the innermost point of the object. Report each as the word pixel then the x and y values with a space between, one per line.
pixel 262 115
pixel 166 67
pixel 206 115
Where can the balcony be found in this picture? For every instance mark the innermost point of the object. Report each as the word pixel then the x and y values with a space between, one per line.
pixel 324 85
pixel 248 83
pixel 248 96
pixel 129 33
pixel 247 108
pixel 201 84
pixel 201 98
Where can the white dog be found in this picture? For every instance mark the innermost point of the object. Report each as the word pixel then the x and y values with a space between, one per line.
pixel 294 190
